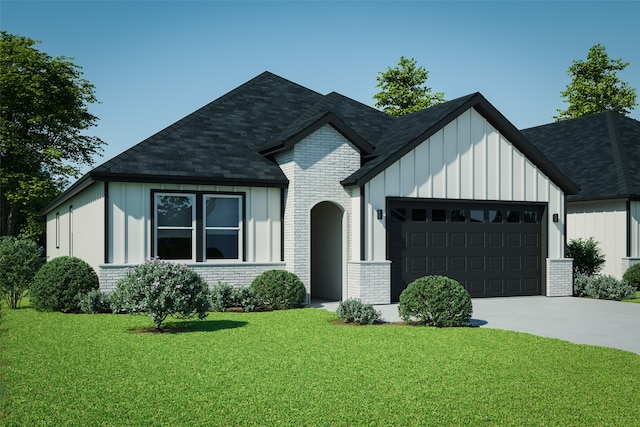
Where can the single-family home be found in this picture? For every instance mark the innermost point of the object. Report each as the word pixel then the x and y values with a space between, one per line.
pixel 601 154
pixel 358 204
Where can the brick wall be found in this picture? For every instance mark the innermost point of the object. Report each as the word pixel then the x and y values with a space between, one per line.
pixel 559 277
pixel 314 166
pixel 369 281
pixel 237 274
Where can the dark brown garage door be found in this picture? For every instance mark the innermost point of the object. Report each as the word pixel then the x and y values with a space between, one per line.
pixel 492 249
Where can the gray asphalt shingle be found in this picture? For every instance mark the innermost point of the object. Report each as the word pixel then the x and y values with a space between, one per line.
pixel 600 153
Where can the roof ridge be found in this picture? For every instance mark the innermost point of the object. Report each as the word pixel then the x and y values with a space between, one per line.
pixel 616 150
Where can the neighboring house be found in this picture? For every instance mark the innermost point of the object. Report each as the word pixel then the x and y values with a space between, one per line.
pixel 355 202
pixel 601 154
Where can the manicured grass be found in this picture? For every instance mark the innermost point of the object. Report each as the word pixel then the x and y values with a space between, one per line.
pixel 298 368
pixel 636 299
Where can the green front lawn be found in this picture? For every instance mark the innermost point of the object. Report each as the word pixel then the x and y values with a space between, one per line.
pixel 636 299
pixel 297 368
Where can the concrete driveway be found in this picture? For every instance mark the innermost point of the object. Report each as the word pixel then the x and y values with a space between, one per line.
pixel 578 320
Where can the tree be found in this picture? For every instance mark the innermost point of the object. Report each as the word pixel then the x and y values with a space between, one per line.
pixel 43 114
pixel 403 89
pixel 595 86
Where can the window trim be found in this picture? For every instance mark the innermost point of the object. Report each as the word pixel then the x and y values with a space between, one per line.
pixel 199 228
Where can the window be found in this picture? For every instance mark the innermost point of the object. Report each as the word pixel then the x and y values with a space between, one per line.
pixel 457 215
pixel 513 216
pixel 530 217
pixel 57 230
pixel 438 215
pixel 175 220
pixel 418 215
pixel 495 216
pixel 198 226
pixel 222 226
pixel 476 215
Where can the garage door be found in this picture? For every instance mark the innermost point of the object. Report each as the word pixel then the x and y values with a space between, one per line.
pixel 492 249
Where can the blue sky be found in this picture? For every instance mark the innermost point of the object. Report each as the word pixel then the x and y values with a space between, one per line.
pixel 153 62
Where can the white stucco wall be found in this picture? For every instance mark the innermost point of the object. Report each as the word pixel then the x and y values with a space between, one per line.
pixel 468 159
pixel 606 222
pixel 76 227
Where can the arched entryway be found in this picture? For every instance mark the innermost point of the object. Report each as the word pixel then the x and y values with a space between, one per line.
pixel 326 251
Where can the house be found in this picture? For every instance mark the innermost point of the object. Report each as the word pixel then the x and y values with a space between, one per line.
pixel 601 154
pixel 358 204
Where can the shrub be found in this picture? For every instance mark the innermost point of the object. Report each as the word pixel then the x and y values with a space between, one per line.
pixel 225 296
pixel 579 285
pixel 19 263
pixel 435 300
pixel 608 287
pixel 354 310
pixel 246 298
pixel 221 297
pixel 632 276
pixel 279 289
pixel 95 301
pixel 587 257
pixel 57 286
pixel 160 289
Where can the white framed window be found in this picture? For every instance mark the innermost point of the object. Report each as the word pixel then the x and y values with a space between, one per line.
pixel 222 219
pixel 175 220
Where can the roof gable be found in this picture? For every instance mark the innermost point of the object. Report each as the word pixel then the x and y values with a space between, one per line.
pixel 409 131
pixel 600 152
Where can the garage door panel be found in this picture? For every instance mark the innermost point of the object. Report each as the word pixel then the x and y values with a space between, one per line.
pixel 459 240
pixel 513 263
pixel 492 249
pixel 438 240
pixel 530 240
pixel 494 239
pixel 418 240
pixel 495 263
pixel 513 240
pixel 458 263
pixel 476 239
pixel 438 265
pixel 476 263
pixel 418 264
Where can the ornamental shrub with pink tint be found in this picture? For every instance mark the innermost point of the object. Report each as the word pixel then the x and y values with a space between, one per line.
pixel 161 288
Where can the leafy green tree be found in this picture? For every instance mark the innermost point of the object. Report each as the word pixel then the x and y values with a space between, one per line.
pixel 19 263
pixel 43 115
pixel 595 86
pixel 403 89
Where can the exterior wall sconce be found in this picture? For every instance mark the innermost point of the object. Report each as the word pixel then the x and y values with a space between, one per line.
pixel 380 213
pixel 556 218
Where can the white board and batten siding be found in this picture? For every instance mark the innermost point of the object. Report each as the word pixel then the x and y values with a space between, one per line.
pixel 606 222
pixel 467 160
pixel 76 227
pixel 130 223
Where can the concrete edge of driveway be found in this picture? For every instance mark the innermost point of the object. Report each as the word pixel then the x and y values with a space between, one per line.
pixel 578 320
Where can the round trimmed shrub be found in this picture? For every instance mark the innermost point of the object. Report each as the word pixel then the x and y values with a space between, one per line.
pixel 632 276
pixel 435 301
pixel 279 289
pixel 354 310
pixel 160 289
pixel 60 283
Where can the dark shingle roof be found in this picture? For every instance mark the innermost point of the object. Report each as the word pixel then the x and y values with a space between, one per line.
pixel 231 140
pixel 220 141
pixel 600 152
